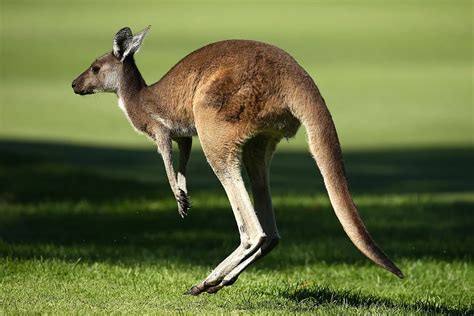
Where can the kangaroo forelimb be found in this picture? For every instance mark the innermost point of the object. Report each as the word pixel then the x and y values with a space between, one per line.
pixel 177 183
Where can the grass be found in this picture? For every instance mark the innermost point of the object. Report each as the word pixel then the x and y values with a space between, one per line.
pixel 87 221
pixel 92 229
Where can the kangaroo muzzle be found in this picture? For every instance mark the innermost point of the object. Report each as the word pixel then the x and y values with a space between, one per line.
pixel 79 88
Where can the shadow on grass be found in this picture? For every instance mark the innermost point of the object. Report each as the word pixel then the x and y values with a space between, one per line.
pixel 38 171
pixel 311 298
pixel 103 204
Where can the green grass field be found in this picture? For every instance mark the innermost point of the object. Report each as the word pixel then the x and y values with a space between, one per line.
pixel 88 223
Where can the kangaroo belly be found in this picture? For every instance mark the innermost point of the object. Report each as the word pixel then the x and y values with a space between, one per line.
pixel 176 128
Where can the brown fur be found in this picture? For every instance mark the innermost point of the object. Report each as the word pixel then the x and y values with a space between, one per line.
pixel 241 98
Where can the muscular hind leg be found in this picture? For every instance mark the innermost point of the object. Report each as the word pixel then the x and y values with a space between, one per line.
pixel 222 145
pixel 257 154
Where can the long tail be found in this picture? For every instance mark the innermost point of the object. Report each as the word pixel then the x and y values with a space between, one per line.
pixel 326 150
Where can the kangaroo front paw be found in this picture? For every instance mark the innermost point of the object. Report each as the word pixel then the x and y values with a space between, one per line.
pixel 183 203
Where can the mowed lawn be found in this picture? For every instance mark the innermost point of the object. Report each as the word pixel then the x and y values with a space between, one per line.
pixel 87 220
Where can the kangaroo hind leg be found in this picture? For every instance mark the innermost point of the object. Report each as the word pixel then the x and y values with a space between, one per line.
pixel 222 145
pixel 257 154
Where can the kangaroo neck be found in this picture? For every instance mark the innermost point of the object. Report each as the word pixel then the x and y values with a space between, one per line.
pixel 131 83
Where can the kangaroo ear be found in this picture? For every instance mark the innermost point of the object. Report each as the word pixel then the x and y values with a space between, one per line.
pixel 122 41
pixel 135 43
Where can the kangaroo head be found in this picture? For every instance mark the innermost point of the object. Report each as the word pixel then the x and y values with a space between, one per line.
pixel 106 72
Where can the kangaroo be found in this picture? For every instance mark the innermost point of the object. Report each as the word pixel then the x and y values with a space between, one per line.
pixel 240 98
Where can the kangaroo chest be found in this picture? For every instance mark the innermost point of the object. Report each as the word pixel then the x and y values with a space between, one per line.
pixel 150 123
pixel 133 120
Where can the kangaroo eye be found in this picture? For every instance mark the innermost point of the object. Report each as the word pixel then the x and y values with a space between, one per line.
pixel 95 69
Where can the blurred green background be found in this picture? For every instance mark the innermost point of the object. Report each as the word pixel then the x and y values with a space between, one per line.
pixel 87 220
pixel 394 73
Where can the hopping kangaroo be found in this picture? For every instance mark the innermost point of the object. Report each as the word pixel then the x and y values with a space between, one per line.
pixel 240 98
